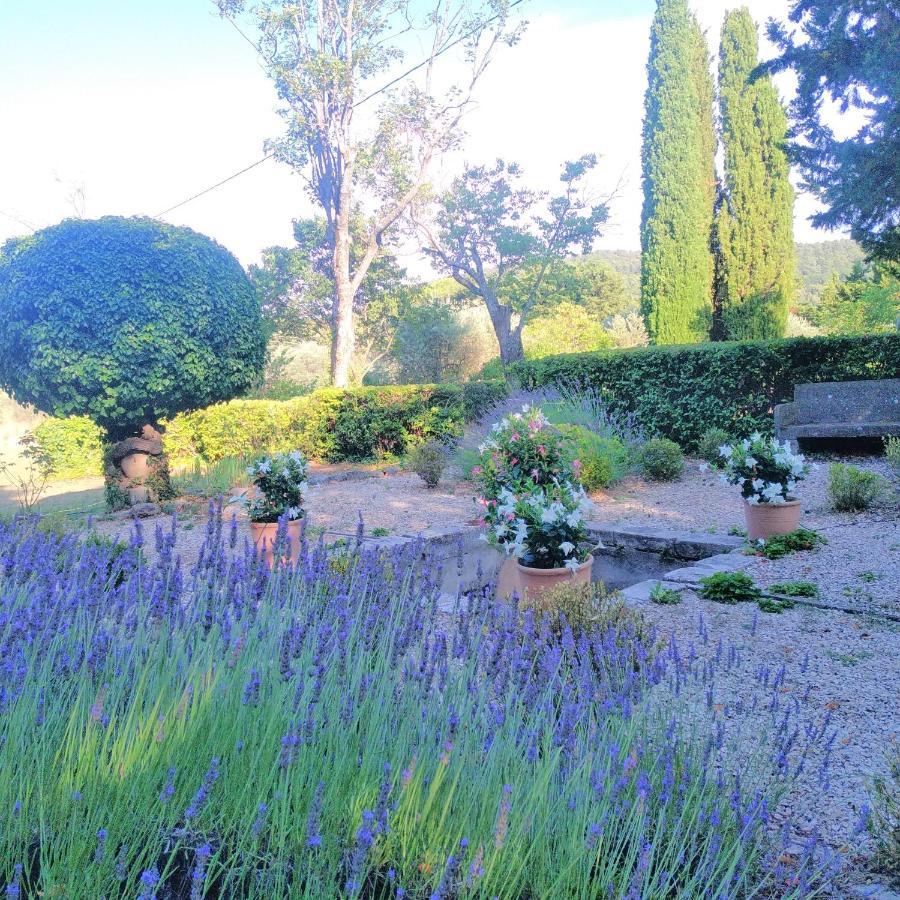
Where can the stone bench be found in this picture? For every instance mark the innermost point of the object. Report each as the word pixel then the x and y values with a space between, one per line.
pixel 840 412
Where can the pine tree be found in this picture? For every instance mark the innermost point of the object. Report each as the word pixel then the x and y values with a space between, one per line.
pixel 754 228
pixel 679 182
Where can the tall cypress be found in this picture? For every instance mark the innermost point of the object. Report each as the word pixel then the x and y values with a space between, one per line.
pixel 754 227
pixel 678 179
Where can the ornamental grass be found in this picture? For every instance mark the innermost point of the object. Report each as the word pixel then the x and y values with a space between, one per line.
pixel 331 730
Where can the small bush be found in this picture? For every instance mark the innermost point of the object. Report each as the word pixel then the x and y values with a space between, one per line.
pixel 586 609
pixel 782 544
pixel 428 461
pixel 661 459
pixel 892 453
pixel 708 448
pixel 851 489
pixel 774 604
pixel 664 596
pixel 729 587
pixel 604 460
pixel 795 589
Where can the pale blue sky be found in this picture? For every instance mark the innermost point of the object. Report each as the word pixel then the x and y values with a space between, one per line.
pixel 145 103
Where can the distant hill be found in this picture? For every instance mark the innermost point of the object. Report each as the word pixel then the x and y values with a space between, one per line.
pixel 815 265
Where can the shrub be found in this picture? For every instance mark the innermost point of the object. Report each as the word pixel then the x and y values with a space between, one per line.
pixel 729 587
pixel 795 588
pixel 480 397
pixel 709 445
pixel 780 545
pixel 775 604
pixel 679 392
pixel 661 459
pixel 664 596
pixel 765 469
pixel 280 483
pixel 428 461
pixel 72 445
pixel 210 480
pixel 851 489
pixel 892 453
pixel 884 823
pixel 604 460
pixel 126 321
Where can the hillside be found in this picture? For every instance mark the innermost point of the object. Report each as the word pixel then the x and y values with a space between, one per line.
pixel 815 264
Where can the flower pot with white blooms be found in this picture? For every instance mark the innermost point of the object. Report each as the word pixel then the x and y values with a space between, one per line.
pixel 276 507
pixel 767 472
pixel 533 504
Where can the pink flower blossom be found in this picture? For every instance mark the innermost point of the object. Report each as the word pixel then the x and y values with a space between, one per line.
pixel 515 436
pixel 477 470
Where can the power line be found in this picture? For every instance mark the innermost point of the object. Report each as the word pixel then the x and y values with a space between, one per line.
pixel 358 103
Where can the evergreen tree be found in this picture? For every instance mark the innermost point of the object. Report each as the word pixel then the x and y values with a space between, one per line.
pixel 754 229
pixel 677 167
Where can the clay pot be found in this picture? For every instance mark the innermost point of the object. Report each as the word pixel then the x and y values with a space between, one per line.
pixel 136 466
pixel 765 519
pixel 533 582
pixel 263 534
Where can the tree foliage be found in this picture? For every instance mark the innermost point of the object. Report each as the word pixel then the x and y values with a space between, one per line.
pixel 127 321
pixel 566 328
pixel 754 225
pixel 867 302
pixel 844 53
pixel 507 244
pixel 677 167
pixel 324 59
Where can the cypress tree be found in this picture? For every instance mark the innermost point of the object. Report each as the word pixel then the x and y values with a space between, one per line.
pixel 754 227
pixel 678 179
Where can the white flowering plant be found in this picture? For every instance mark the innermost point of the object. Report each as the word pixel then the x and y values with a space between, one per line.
pixel 280 484
pixel 766 469
pixel 533 504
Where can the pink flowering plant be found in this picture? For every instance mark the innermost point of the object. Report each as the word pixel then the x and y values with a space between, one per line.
pixel 765 469
pixel 532 503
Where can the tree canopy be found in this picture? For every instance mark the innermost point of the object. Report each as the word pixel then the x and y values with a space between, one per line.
pixel 844 53
pixel 126 321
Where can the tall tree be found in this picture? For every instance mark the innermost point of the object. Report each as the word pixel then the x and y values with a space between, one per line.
pixel 507 244
pixel 677 163
pixel 324 57
pixel 844 53
pixel 754 225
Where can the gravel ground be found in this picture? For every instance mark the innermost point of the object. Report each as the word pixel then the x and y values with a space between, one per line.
pixel 841 674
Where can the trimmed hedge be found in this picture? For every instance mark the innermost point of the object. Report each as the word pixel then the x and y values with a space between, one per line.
pixel 680 392
pixel 329 424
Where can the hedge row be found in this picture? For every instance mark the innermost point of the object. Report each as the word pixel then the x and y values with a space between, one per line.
pixel 680 392
pixel 329 424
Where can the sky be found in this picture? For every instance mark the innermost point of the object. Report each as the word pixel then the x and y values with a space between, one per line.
pixel 125 107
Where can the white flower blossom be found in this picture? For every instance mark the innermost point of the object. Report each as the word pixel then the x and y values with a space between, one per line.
pixel 567 547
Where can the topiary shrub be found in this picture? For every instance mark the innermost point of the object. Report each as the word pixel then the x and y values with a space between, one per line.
pixel 708 447
pixel 851 489
pixel 126 321
pixel 661 459
pixel 428 461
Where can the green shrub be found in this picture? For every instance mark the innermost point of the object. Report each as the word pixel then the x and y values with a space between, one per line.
pixel 708 447
pixel 73 446
pixel 780 545
pixel 729 587
pixel 604 460
pixel 851 489
pixel 664 596
pixel 884 824
pixel 428 461
pixel 892 453
pixel 795 589
pixel 680 392
pixel 660 459
pixel 775 604
pixel 480 397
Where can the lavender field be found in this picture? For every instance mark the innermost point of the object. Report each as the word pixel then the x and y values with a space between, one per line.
pixel 327 731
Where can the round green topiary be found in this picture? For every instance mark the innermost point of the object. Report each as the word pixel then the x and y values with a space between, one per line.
pixel 126 321
pixel 661 459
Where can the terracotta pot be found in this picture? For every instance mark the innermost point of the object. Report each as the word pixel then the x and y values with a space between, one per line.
pixel 136 466
pixel 765 519
pixel 533 582
pixel 263 534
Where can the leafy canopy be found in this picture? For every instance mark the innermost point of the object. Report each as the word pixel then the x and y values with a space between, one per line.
pixel 127 321
pixel 844 53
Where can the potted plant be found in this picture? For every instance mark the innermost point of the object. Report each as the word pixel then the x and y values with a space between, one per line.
pixel 767 472
pixel 533 504
pixel 279 485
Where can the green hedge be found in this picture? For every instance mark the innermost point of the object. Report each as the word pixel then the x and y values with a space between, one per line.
pixel 680 392
pixel 329 424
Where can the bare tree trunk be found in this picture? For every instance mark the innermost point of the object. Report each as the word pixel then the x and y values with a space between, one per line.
pixel 342 336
